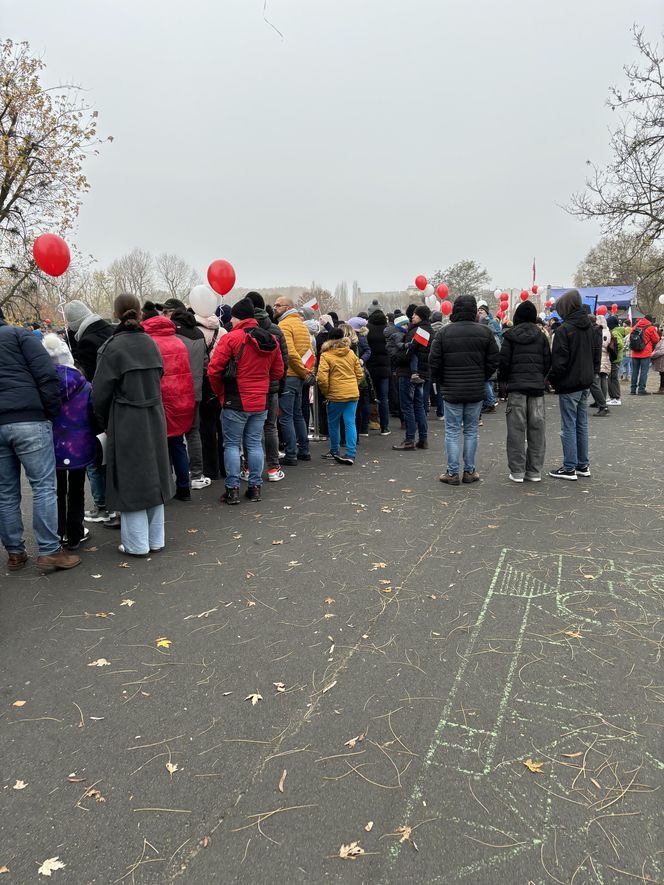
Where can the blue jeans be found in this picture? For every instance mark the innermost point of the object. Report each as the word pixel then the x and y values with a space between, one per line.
pixel 382 386
pixel 180 460
pixel 489 395
pixel 293 429
pixel 574 428
pixel 97 478
pixel 245 428
pixel 143 530
pixel 625 367
pixel 412 398
pixel 468 415
pixel 335 412
pixel 640 365
pixel 28 443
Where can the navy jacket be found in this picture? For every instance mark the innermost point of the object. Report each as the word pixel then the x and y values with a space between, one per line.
pixel 29 384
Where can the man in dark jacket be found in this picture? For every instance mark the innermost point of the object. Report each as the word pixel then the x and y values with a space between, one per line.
pixel 87 333
pixel 412 365
pixel 525 360
pixel 575 360
pixel 464 355
pixel 379 365
pixel 29 401
pixel 270 429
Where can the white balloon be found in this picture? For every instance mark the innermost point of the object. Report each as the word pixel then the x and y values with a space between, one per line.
pixel 428 290
pixel 497 293
pixel 661 299
pixel 203 300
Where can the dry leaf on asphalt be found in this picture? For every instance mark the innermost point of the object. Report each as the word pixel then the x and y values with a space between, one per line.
pixel 384 581
pixel 92 793
pixel 350 852
pixel 128 602
pixel 356 740
pixel 328 600
pixel 162 642
pixel 492 526
pixel 328 687
pixel 369 826
pixel 172 767
pixel 191 531
pixel 254 698
pixel 19 703
pixel 385 589
pixel 279 686
pixel 75 780
pixel 276 543
pixel 104 615
pixel 407 835
pixel 4 870
pixel 100 662
pixel 535 767
pixel 572 755
pixel 281 780
pixel 49 865
pixel 377 565
pixel 123 565
pixel 573 634
pixel 250 603
pixel 20 785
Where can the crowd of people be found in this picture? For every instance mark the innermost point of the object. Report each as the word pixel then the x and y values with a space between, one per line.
pixel 162 401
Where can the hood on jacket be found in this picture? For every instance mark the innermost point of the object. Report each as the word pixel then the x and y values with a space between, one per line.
pixel 465 308
pixel 523 333
pixel 57 349
pixel 260 340
pixel 183 317
pixel 262 318
pixel 642 323
pixel 210 323
pixel 612 322
pixel 71 380
pixel 578 317
pixel 601 321
pixel 340 344
pixel 159 325
pixel 377 318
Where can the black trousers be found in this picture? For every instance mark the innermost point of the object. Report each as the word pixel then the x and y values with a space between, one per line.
pixel 71 504
pixel 212 440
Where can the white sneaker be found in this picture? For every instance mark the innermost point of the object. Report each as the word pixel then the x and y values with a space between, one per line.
pixel 201 482
pixel 282 454
pixel 385 432
pixel 244 474
pixel 275 475
pixel 534 478
pixel 614 402
pixel 516 478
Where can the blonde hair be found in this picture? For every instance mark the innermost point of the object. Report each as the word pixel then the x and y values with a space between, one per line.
pixel 349 333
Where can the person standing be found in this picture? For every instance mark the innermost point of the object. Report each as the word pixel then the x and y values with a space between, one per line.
pixel 643 337
pixel 464 355
pixel 177 395
pixel 618 334
pixel 414 394
pixel 293 429
pixel 126 396
pixel 379 366
pixel 29 402
pixel 244 363
pixel 575 361
pixel 525 360
pixel 339 375
pixel 484 316
pixel 212 441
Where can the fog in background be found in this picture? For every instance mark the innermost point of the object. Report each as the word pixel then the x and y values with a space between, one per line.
pixel 377 140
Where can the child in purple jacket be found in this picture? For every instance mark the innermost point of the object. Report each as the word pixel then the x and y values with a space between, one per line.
pixel 75 442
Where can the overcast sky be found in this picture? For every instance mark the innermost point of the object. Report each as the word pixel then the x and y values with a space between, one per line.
pixel 378 140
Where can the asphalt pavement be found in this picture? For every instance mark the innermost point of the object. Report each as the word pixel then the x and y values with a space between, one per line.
pixel 367 678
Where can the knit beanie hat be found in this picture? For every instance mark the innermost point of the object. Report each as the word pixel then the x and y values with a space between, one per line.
pixel 149 310
pixel 423 312
pixel 57 349
pixel 401 320
pixel 256 299
pixel 306 313
pixel 612 322
pixel 172 304
pixel 526 312
pixel 336 334
pixel 75 313
pixel 357 323
pixel 374 306
pixel 436 317
pixel 225 314
pixel 243 310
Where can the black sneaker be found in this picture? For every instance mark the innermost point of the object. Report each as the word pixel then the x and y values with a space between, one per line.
pixel 230 496
pixel 583 470
pixel 253 494
pixel 86 537
pixel 303 456
pixel 288 462
pixel 602 413
pixel 182 493
pixel 562 473
pixel 344 459
pixel 644 393
pixel 330 456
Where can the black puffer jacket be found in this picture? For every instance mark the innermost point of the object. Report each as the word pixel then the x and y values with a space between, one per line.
pixel 576 354
pixel 464 354
pixel 264 321
pixel 420 350
pixel 85 349
pixel 379 364
pixel 194 340
pixel 29 385
pixel 525 359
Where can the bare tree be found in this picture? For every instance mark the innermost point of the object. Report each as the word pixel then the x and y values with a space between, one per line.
pixel 326 300
pixel 466 277
pixel 628 193
pixel 177 276
pixel 133 273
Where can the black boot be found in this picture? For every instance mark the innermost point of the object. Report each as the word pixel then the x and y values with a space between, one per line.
pixel 230 496
pixel 253 494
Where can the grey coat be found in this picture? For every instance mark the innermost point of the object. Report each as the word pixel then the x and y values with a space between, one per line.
pixel 126 396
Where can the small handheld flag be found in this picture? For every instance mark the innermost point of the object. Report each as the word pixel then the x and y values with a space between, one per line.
pixel 308 358
pixel 422 337
pixel 313 304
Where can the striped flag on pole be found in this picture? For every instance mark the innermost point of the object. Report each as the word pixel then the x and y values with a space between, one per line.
pixel 422 337
pixel 313 304
pixel 308 358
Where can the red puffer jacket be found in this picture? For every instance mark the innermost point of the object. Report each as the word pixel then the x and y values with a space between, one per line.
pixel 177 384
pixel 650 335
pixel 260 363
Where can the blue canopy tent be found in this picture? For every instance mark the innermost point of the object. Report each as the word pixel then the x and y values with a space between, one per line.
pixel 593 296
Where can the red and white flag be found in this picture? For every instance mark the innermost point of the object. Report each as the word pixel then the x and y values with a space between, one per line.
pixel 308 358
pixel 629 315
pixel 422 337
pixel 313 304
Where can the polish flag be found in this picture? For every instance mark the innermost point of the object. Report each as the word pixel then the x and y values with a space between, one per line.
pixel 313 304
pixel 422 337
pixel 309 358
pixel 629 315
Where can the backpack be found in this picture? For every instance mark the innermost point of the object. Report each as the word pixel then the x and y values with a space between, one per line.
pixel 637 339
pixel 612 349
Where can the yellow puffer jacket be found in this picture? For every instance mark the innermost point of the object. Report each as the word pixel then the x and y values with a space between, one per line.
pixel 339 372
pixel 298 343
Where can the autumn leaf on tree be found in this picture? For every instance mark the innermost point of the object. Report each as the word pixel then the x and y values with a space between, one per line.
pixel 535 767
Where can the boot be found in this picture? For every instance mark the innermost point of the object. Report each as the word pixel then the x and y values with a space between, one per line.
pixel 59 559
pixel 230 496
pixel 422 444
pixel 253 494
pixel 408 445
pixel 16 561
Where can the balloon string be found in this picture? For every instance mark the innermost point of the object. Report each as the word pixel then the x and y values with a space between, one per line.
pixel 266 19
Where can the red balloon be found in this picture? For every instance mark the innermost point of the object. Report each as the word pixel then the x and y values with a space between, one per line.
pixel 614 308
pixel 534 289
pixel 504 296
pixel 421 282
pixel 51 254
pixel 446 308
pixel 500 314
pixel 221 277
pixel 524 296
pixel 442 291
pixel 602 310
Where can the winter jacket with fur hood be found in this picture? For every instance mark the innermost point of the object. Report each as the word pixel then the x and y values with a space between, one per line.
pixel 339 372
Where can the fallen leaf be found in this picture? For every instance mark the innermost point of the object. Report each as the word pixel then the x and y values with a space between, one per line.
pixel 596 783
pixel 237 536
pixel 20 785
pixel 572 755
pixel 328 615
pixel 384 581
pixel 406 835
pixel 331 685
pixel 365 636
pixel 100 662
pixel 128 602
pixel 406 490
pixel 385 589
pixel 369 826
pixel 205 841
pixel 90 549
pixel 53 863
pixel 377 565
pixel 72 779
pixel 19 703
pixel 254 698
pixel 279 686
pixel 92 793
pixel 104 615
pixel 4 870
pixel 123 565
pixel 191 531
pixel 280 786
pixel 328 600
pixel 589 577
pixel 573 634
pixel 350 852
pixel 432 596
pixel 356 740
pixel 172 767
pixel 95 576
pixel 250 603
pixel 535 767
pixel 162 642
pixel 276 543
